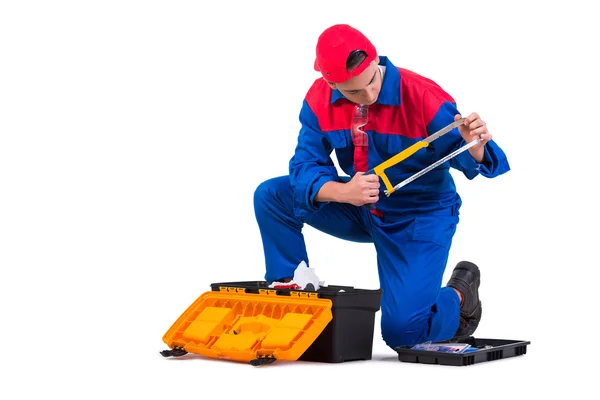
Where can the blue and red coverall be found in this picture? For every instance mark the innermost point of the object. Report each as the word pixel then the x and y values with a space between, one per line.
pixel 412 230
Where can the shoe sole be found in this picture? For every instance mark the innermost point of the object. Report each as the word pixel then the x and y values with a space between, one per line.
pixel 473 269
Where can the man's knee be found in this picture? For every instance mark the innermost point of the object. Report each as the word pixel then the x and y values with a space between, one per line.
pixel 273 198
pixel 403 329
pixel 270 189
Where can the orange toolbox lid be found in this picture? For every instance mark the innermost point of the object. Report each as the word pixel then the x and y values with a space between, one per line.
pixel 257 328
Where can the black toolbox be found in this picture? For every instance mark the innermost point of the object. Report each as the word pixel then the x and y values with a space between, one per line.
pixel 482 350
pixel 349 335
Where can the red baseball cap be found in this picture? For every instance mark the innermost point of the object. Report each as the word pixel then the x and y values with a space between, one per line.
pixel 333 48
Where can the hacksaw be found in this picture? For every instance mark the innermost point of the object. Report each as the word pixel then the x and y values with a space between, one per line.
pixel 379 170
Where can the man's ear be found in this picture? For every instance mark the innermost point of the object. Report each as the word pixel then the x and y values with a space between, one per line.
pixel 332 85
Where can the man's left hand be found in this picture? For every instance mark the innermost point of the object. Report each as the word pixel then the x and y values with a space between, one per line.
pixel 474 127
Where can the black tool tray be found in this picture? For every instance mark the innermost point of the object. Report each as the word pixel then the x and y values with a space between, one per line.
pixel 488 350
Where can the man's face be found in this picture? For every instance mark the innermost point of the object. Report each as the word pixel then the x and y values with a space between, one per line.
pixel 364 88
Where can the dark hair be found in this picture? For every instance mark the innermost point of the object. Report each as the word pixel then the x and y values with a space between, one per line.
pixel 355 59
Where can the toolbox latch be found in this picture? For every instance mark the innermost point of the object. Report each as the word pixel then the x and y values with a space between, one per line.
pixel 303 294
pixel 267 292
pixel 232 289
pixel 262 360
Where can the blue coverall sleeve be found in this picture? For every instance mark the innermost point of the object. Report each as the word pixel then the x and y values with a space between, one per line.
pixel 311 165
pixel 494 161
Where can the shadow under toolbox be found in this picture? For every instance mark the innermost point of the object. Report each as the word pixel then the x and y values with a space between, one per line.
pixel 248 321
pixel 480 350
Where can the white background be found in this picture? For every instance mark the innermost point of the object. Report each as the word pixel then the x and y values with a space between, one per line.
pixel 133 135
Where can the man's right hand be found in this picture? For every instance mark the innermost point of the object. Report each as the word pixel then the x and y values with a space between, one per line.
pixel 361 189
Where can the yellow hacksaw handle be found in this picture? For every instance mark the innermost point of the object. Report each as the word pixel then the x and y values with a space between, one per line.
pixel 404 154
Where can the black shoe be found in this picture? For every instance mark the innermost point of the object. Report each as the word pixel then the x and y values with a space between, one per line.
pixel 466 278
